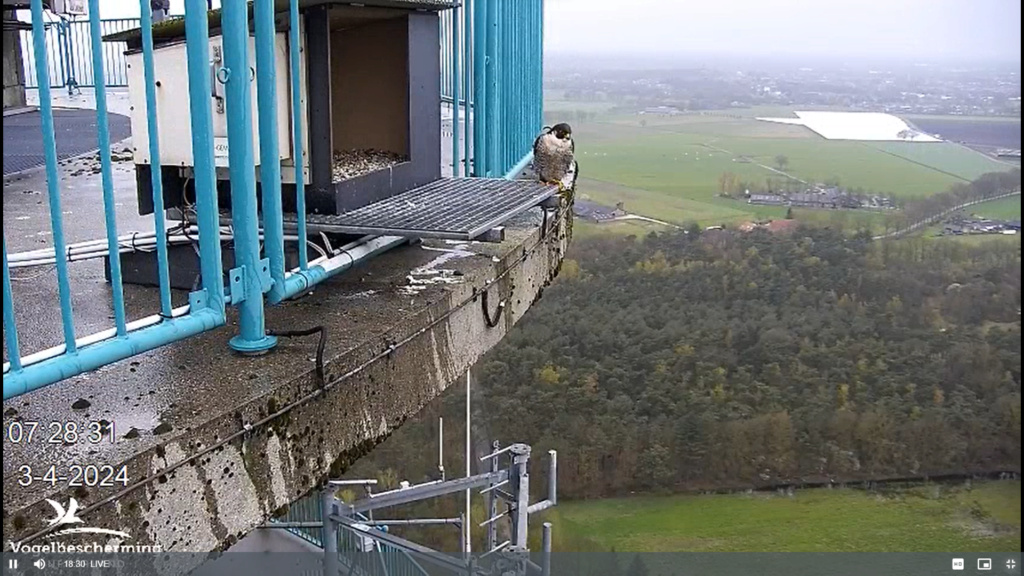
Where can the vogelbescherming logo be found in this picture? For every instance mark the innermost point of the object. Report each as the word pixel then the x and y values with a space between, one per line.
pixel 65 521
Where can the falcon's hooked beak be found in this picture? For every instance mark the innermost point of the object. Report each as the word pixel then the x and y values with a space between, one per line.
pixel 562 131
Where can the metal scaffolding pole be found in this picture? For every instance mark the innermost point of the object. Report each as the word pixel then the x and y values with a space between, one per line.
pixel 329 532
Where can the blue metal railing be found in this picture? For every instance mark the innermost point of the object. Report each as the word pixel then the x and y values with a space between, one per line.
pixel 206 305
pixel 71 54
pixel 491 53
pixel 492 64
pixel 383 560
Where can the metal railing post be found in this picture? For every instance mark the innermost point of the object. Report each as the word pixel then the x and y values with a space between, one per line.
pixel 251 273
pixel 297 141
pixel 270 164
pixel 156 177
pixel 456 81
pixel 493 132
pixel 480 101
pixel 467 76
pixel 10 327
pixel 52 176
pixel 103 141
pixel 197 47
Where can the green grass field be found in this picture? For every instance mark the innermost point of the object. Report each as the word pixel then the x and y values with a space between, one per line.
pixel 584 229
pixel 668 167
pixel 1003 209
pixel 926 519
pixel 943 157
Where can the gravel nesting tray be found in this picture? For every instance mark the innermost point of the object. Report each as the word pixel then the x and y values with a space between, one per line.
pixel 352 163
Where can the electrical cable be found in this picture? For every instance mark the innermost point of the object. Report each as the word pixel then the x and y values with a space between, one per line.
pixel 301 401
pixel 321 344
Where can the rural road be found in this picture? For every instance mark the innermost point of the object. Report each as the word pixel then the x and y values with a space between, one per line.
pixel 933 218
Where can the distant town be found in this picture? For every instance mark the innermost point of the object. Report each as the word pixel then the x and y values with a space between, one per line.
pixel 912 89
pixel 823 197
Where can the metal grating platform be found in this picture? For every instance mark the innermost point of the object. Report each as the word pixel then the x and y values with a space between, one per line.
pixel 453 208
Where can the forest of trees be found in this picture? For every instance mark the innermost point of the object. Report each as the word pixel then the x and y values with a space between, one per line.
pixel 691 361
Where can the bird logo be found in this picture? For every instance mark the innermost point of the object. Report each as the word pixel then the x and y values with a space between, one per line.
pixel 69 516
pixel 64 521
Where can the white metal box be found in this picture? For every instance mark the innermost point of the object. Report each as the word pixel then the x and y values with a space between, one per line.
pixel 172 103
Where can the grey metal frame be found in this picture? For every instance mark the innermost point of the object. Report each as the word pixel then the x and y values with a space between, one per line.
pixel 512 555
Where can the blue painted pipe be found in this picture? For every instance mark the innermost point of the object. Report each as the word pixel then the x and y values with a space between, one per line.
pixel 270 165
pixel 10 328
pixel 480 103
pixel 519 166
pixel 156 178
pixel 197 47
pixel 297 141
pixel 52 177
pixel 109 351
pixel 456 81
pixel 467 56
pixel 103 137
pixel 493 95
pixel 252 337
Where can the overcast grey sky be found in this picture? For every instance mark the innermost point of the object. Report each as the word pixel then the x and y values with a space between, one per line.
pixel 905 29
pixel 968 29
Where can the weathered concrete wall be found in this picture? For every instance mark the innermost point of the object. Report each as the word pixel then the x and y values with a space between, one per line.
pixel 391 349
pixel 14 72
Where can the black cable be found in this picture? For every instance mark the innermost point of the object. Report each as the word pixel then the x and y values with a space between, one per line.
pixel 321 380
pixel 295 404
pixel 487 314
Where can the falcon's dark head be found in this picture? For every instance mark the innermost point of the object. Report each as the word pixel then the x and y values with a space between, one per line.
pixel 562 131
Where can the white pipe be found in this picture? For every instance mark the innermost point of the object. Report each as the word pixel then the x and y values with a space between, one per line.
pixel 100 336
pixel 469 472
pixel 27 259
pixel 351 252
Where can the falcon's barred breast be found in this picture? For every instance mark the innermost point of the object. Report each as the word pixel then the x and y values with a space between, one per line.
pixel 554 156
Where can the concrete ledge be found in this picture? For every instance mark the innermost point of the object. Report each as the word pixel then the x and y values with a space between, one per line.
pixel 222 441
pixel 14 111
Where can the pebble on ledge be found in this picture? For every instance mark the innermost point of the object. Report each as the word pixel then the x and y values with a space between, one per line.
pixel 352 163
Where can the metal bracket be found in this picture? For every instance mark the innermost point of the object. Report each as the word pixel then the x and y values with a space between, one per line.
pixel 266 281
pixel 198 300
pixel 236 280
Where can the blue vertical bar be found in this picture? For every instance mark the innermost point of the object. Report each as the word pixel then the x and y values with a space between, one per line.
pixel 52 179
pixel 10 328
pixel 252 337
pixel 156 179
pixel 197 47
pixel 493 97
pixel 467 17
pixel 103 137
pixel 444 61
pixel 270 164
pixel 480 87
pixel 539 55
pixel 455 91
pixel 297 141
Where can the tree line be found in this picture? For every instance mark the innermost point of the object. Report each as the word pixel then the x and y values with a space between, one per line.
pixel 724 360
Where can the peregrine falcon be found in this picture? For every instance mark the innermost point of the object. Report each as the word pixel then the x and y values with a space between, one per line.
pixel 553 157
